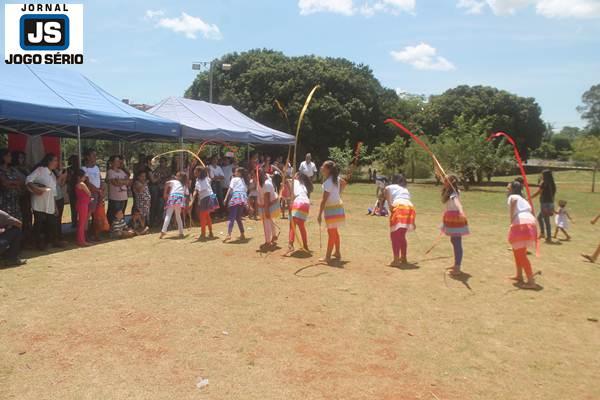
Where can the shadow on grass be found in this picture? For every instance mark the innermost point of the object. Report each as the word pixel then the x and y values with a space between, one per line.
pixel 535 288
pixel 299 254
pixel 267 249
pixel 463 278
pixel 405 267
pixel 239 241
pixel 318 264
pixel 185 236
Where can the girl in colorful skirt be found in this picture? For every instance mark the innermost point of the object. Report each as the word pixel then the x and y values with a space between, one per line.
pixel 204 200
pixel 302 188
pixel 332 207
pixel 523 233
pixel 402 217
pixel 237 201
pixel 175 200
pixel 454 223
pixel 268 206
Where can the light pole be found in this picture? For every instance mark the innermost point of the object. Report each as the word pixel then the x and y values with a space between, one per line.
pixel 198 65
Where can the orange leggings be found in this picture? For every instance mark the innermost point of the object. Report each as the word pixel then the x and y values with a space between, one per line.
pixel 522 262
pixel 334 240
pixel 300 224
pixel 205 221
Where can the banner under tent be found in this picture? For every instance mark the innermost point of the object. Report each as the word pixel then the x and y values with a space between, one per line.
pixel 201 121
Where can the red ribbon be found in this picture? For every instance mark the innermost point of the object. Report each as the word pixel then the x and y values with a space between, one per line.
pixel 438 166
pixel 519 161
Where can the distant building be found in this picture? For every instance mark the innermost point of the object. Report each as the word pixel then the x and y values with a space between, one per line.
pixel 141 107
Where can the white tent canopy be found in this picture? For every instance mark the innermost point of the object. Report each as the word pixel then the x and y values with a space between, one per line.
pixel 202 121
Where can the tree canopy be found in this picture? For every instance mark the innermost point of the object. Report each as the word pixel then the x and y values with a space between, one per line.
pixel 590 110
pixel 351 104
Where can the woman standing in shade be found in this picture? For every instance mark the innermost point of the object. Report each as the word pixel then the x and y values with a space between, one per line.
pixel 546 191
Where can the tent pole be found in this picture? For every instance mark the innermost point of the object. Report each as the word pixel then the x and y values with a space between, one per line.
pixel 181 154
pixel 248 151
pixel 79 144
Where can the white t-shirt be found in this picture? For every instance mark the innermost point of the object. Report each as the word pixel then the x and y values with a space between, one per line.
pixel 227 173
pixel 451 203
pixel 176 187
pixel 45 202
pixel 237 184
pixel 398 193
pixel 215 171
pixel 333 190
pixel 115 192
pixel 203 188
pixel 268 187
pixel 522 205
pixel 93 174
pixel 308 169
pixel 300 191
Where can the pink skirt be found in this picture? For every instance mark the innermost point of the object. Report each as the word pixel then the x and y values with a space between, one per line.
pixel 523 232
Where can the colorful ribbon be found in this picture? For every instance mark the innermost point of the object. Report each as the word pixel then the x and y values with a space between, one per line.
pixel 300 119
pixel 180 151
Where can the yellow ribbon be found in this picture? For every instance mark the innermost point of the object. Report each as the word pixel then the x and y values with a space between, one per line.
pixel 180 151
pixel 306 104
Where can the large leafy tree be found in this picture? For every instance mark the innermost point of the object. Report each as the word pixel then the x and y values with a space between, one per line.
pixel 587 150
pixel 590 110
pixel 351 104
pixel 518 116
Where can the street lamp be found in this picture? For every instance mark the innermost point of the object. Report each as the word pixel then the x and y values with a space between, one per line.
pixel 198 65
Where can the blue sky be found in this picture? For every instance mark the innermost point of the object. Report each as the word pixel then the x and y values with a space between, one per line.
pixel 547 49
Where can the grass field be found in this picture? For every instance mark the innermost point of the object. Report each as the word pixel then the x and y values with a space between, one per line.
pixel 145 318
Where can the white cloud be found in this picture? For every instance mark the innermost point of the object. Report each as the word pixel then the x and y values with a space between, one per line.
pixel 190 26
pixel 153 13
pixel 569 9
pixel 472 6
pixel 344 7
pixel 546 8
pixel 423 57
pixel 508 7
pixel 348 7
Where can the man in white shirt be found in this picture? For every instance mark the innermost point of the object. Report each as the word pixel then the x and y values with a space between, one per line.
pixel 307 167
pixel 228 167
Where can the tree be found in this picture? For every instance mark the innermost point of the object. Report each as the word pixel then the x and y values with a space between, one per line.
pixel 590 110
pixel 587 150
pixel 347 158
pixel 350 105
pixel 571 132
pixel 518 116
pixel 463 149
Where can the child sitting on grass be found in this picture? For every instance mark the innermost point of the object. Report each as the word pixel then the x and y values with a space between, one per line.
pixel 562 219
pixel 138 223
pixel 119 228
pixel 380 208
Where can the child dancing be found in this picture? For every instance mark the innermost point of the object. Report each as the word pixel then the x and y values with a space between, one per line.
pixel 454 223
pixel 522 234
pixel 268 204
pixel 237 201
pixel 402 218
pixel 204 200
pixel 175 200
pixel 302 188
pixel 333 208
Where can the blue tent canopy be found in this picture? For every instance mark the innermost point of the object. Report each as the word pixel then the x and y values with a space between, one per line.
pixel 39 100
pixel 201 121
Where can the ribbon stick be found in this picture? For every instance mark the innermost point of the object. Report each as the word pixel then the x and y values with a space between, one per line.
pixel 523 174
pixel 438 169
pixel 300 119
pixel 179 151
